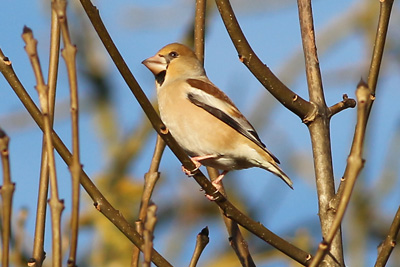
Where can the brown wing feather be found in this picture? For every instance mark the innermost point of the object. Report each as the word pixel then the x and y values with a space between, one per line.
pixel 241 125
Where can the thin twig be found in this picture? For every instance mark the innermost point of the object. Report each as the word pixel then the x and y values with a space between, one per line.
pixel 151 177
pixel 7 192
pixel 342 105
pixel 354 166
pixel 379 45
pixel 230 210
pixel 385 249
pixel 100 202
pixel 38 254
pixel 199 29
pixel 236 239
pixel 341 199
pixel 148 231
pixel 373 75
pixel 56 205
pixel 319 132
pixel 302 108
pixel 69 55
pixel 380 39
pixel 237 242
pixel 19 258
pixel 201 242
pixel 150 180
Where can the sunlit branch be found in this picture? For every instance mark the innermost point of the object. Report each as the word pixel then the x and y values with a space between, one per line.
pixel 230 211
pixel 7 192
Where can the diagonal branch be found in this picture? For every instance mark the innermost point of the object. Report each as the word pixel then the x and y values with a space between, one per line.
pixel 302 108
pixel 380 39
pixel 385 249
pixel 340 201
pixel 236 240
pixel 230 210
pixel 100 202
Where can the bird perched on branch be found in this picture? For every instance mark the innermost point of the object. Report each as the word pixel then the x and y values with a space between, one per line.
pixel 202 119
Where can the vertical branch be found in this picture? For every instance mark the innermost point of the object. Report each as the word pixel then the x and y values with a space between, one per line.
pixel 201 242
pixel 69 55
pixel 148 237
pixel 237 242
pixel 199 29
pixel 56 205
pixel 150 180
pixel 355 162
pixel 354 166
pixel 6 191
pixel 236 239
pixel 38 245
pixel 319 132
pixel 380 39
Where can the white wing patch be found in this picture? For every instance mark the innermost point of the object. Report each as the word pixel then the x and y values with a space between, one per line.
pixel 214 101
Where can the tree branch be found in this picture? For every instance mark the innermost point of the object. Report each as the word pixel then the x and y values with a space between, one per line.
pixel 230 211
pixel 149 225
pixel 69 55
pixel 354 166
pixel 38 254
pixel 385 249
pixel 100 202
pixel 150 180
pixel 302 108
pixel 319 132
pixel 379 45
pixel 7 192
pixel 342 105
pixel 199 29
pixel 236 240
pixel 380 39
pixel 56 205
pixel 201 242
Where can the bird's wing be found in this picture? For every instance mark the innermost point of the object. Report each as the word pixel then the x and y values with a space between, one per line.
pixel 207 96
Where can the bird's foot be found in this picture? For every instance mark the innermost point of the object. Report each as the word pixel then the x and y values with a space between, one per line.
pixel 190 173
pixel 217 184
pixel 196 162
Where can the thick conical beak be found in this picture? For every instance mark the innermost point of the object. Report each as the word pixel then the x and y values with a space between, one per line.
pixel 156 64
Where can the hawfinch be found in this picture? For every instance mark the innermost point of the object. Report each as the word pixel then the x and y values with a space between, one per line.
pixel 202 119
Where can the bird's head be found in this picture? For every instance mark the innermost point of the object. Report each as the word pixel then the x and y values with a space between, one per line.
pixel 174 60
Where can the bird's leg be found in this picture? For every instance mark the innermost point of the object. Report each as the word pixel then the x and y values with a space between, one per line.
pixel 196 161
pixel 217 184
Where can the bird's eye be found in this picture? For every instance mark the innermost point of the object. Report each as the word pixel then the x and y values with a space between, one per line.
pixel 173 54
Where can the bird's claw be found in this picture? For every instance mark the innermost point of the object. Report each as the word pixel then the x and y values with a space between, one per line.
pixel 191 173
pixel 217 185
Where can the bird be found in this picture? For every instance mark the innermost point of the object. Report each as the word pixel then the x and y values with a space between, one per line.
pixel 202 118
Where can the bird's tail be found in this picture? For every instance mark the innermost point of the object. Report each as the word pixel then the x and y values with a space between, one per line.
pixel 275 169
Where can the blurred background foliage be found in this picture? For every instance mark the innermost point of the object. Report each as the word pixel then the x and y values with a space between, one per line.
pixel 117 140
